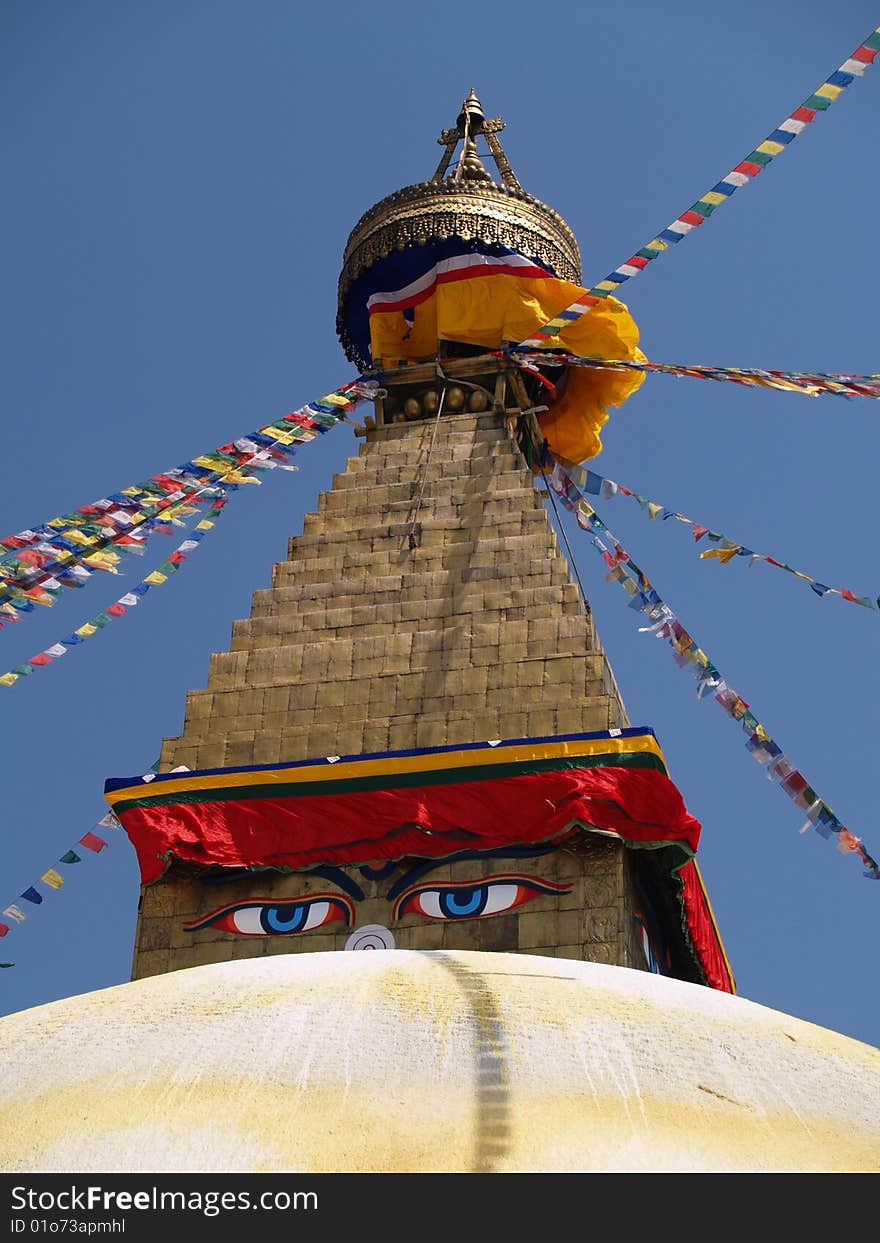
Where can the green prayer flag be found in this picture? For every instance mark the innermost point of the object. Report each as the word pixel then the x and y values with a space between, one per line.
pixel 70 857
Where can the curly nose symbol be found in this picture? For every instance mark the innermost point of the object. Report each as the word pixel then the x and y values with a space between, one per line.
pixel 371 937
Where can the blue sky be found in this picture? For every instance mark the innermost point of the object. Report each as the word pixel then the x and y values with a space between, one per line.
pixel 181 180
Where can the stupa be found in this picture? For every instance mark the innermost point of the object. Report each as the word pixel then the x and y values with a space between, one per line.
pixel 416 746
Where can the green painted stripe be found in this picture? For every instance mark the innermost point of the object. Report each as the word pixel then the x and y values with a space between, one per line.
pixel 386 781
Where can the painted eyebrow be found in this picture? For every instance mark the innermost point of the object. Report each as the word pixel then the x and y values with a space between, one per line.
pixel 337 877
pixel 430 865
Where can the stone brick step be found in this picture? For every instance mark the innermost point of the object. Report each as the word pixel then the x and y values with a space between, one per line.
pixel 402 512
pixel 418 454
pixel 398 731
pixel 520 603
pixel 294 625
pixel 403 467
pixel 508 486
pixel 387 556
pixel 434 529
pixel 466 644
pixel 476 427
pixel 377 699
pixel 376 588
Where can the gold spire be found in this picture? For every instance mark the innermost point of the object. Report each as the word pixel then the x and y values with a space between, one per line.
pixel 470 122
pixel 466 203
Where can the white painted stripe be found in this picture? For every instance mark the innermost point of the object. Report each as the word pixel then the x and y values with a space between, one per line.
pixel 408 291
pixel 457 264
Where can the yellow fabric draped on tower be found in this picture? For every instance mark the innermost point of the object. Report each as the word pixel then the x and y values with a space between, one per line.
pixel 500 308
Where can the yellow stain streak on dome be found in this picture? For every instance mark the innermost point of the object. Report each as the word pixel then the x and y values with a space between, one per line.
pixel 437 1061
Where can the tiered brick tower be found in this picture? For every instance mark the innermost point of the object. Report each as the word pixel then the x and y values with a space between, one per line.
pixel 425 605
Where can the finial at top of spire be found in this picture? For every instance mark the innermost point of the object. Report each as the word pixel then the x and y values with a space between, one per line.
pixel 470 122
pixel 472 113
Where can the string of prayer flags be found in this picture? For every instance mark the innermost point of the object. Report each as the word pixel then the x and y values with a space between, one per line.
pixel 592 484
pixel 37 564
pixel 665 624
pixel 740 175
pixel 119 607
pixel 811 383
pixel 52 878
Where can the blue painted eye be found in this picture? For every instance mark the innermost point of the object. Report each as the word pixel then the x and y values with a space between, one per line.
pixel 264 918
pixel 455 903
pixel 470 901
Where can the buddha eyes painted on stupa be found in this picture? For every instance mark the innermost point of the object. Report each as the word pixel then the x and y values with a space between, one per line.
pixel 464 895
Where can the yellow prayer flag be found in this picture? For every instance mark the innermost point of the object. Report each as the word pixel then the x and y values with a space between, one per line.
pixel 235 476
pixel 86 630
pixel 156 578
pixel 654 509
pixel 723 554
pixel 77 537
pixel 8 679
pixel 204 525
pixel 770 148
pixel 281 438
pixel 52 878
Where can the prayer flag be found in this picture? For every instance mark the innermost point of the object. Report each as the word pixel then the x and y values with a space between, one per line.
pixel 15 912
pixel 70 857
pixel 91 841
pixel 32 895
pixel 52 878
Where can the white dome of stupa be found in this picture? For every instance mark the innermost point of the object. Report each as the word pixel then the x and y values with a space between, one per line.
pixel 429 1061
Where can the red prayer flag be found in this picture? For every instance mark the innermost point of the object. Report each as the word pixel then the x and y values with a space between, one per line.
pixel 91 841
pixel 115 610
pixel 40 659
pixel 4 928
